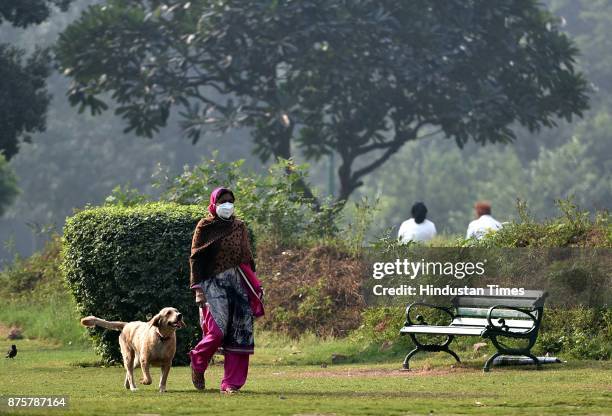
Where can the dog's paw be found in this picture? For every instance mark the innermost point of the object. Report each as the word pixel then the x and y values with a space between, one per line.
pixel 145 381
pixel 162 389
pixel 133 388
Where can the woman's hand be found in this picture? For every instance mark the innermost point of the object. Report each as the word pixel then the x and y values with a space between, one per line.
pixel 200 299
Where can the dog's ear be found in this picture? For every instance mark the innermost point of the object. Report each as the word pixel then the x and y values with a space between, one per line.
pixel 155 320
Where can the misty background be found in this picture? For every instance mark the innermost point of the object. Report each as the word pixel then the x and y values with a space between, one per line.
pixel 80 158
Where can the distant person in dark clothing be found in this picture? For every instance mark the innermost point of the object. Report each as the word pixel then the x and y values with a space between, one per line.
pixel 417 228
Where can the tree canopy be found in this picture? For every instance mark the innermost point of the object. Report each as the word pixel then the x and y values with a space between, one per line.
pixel 23 94
pixel 358 78
pixel 22 13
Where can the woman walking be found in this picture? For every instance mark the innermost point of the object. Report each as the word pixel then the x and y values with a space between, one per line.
pixel 222 273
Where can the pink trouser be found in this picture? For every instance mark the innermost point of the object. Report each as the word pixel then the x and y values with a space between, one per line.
pixel 236 366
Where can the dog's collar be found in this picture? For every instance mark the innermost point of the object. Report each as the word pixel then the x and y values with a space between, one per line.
pixel 161 337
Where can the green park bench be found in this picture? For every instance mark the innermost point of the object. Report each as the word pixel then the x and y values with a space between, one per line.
pixel 494 317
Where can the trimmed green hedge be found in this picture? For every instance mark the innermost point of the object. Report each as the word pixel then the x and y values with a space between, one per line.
pixel 127 263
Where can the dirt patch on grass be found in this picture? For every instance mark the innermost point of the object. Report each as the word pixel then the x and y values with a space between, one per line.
pixel 382 372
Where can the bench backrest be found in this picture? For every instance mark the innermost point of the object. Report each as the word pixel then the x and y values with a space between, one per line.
pixel 472 310
pixel 531 299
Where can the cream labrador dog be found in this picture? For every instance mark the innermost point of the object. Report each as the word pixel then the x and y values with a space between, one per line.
pixel 149 344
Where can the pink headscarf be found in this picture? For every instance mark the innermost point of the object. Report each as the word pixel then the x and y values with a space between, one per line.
pixel 213 199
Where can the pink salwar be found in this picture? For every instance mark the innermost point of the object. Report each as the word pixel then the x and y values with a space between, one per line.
pixel 236 365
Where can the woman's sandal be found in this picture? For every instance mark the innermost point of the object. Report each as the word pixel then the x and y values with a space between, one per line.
pixel 230 391
pixel 197 378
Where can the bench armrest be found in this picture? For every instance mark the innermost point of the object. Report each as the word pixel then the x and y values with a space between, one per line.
pixel 419 318
pixel 502 322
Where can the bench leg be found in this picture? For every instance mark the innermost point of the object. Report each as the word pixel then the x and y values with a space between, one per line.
pixel 535 360
pixel 502 350
pixel 429 348
pixel 453 353
pixel 406 365
pixel 487 365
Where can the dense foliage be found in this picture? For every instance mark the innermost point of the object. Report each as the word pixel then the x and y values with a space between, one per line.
pixel 360 79
pixel 23 93
pixel 573 228
pixel 273 204
pixel 22 13
pixel 127 263
pixel 40 271
pixel 23 96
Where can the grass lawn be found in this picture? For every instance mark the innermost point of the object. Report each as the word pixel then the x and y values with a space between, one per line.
pixel 277 388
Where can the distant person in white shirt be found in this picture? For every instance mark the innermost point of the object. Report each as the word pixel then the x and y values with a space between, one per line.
pixel 484 222
pixel 417 228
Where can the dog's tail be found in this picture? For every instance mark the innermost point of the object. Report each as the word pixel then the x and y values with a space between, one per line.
pixel 91 321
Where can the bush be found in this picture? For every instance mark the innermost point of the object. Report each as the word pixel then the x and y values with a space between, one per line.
pixel 581 332
pixel 127 263
pixel 573 228
pixel 381 325
pixel 39 273
pixel 35 297
pixel 313 290
pixel 274 204
pixel 51 317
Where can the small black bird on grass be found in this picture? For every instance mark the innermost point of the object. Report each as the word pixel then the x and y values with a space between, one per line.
pixel 12 352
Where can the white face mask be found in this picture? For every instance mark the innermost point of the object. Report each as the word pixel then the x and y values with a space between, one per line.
pixel 225 210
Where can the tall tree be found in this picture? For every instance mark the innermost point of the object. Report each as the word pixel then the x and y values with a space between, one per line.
pixel 23 94
pixel 360 78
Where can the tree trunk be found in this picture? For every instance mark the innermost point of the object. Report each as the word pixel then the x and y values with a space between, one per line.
pixel 347 185
pixel 282 149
